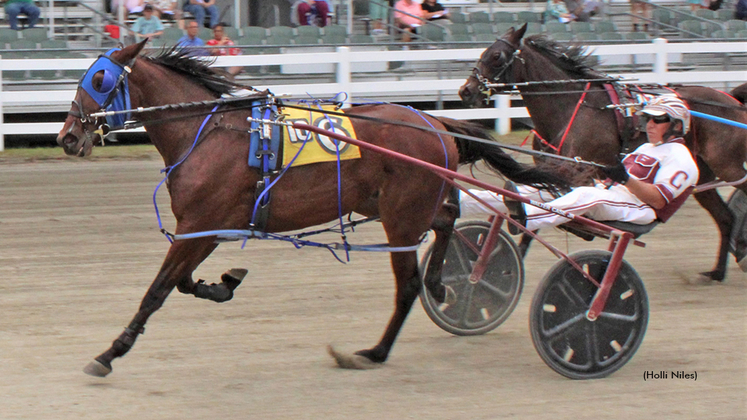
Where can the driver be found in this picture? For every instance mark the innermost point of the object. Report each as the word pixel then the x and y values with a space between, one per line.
pixel 648 185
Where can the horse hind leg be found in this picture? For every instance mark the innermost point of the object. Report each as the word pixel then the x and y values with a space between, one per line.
pixel 443 226
pixel 181 260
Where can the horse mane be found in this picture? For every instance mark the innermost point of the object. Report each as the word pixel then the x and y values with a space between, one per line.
pixel 196 69
pixel 574 59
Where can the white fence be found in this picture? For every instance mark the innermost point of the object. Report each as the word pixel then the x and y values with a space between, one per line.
pixel 659 53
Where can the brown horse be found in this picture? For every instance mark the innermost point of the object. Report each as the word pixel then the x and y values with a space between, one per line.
pixel 215 189
pixel 594 135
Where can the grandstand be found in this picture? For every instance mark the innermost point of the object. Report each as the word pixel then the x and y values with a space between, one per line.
pixel 77 31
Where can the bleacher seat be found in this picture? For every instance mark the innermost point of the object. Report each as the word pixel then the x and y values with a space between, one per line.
pixel 561 36
pixel 22 44
pixel 308 31
pixel 53 44
pixel 706 14
pixel 587 37
pixel 479 17
pixel 725 13
pixel 482 28
pixel 34 34
pixel 231 32
pixel 7 35
pixel 254 32
pixel 503 17
pixel 458 17
pixel 71 74
pixel 334 39
pixel 721 34
pixel 637 36
pixel 529 16
pixel 172 34
pixel 534 28
pixel 502 28
pixel 694 29
pixel 554 27
pixel 579 27
pixel 205 34
pixel 278 40
pixel 742 34
pixel 336 29
pixel 604 26
pixel 611 36
pixel 432 33
pixel 663 16
pixel 485 37
pixel 361 39
pixel 307 40
pixel 281 32
pixel 459 29
pixel 736 25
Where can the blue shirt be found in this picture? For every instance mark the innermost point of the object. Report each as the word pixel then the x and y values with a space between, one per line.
pixel 192 44
pixel 145 26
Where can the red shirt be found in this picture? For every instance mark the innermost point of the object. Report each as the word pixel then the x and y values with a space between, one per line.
pixel 223 51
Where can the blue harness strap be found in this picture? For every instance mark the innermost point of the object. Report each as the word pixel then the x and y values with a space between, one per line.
pixel 267 159
pixel 114 93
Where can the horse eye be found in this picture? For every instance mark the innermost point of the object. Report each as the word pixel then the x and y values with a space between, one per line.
pixel 97 80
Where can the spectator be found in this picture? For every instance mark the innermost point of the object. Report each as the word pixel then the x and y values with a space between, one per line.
pixel 198 8
pixel 407 16
pixel 221 40
pixel 433 10
pixel 558 10
pixel 741 11
pixel 312 13
pixel 694 5
pixel 583 10
pixel 191 41
pixel 379 14
pixel 147 25
pixel 131 6
pixel 640 9
pixel 167 10
pixel 25 7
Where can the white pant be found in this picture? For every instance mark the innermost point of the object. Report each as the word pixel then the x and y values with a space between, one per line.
pixel 598 203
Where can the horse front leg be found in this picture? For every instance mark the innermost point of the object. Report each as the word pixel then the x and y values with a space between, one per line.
pixel 405 265
pixel 181 260
pixel 719 211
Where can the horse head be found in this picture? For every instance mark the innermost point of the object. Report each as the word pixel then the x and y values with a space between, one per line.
pixel 494 66
pixel 103 87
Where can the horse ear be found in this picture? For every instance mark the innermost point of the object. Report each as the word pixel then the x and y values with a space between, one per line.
pixel 132 51
pixel 516 35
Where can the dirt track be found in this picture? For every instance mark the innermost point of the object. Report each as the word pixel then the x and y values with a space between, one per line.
pixel 79 245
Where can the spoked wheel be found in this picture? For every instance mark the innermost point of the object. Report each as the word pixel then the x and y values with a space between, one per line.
pixel 484 305
pixel 566 340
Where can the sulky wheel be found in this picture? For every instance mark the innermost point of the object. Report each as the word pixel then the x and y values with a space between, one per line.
pixel 566 340
pixel 482 306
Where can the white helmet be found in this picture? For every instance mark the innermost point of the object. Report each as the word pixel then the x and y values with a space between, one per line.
pixel 669 105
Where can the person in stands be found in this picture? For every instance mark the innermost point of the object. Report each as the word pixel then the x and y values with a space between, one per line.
pixel 191 41
pixel 433 10
pixel 221 44
pixel 200 8
pixel 13 8
pixel 313 12
pixel 147 25
pixel 407 16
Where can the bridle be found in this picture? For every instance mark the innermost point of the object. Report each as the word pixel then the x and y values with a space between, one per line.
pixel 485 84
pixel 114 94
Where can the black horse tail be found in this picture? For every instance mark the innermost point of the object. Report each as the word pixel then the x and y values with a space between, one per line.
pixel 740 93
pixel 498 160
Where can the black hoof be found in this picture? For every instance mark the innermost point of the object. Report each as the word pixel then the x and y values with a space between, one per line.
pixel 714 275
pixel 376 354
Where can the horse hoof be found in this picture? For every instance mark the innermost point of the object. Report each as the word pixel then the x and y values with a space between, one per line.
pixel 237 273
pixel 708 276
pixel 352 361
pixel 97 369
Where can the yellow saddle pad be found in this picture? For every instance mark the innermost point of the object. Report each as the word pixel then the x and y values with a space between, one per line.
pixel 312 147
